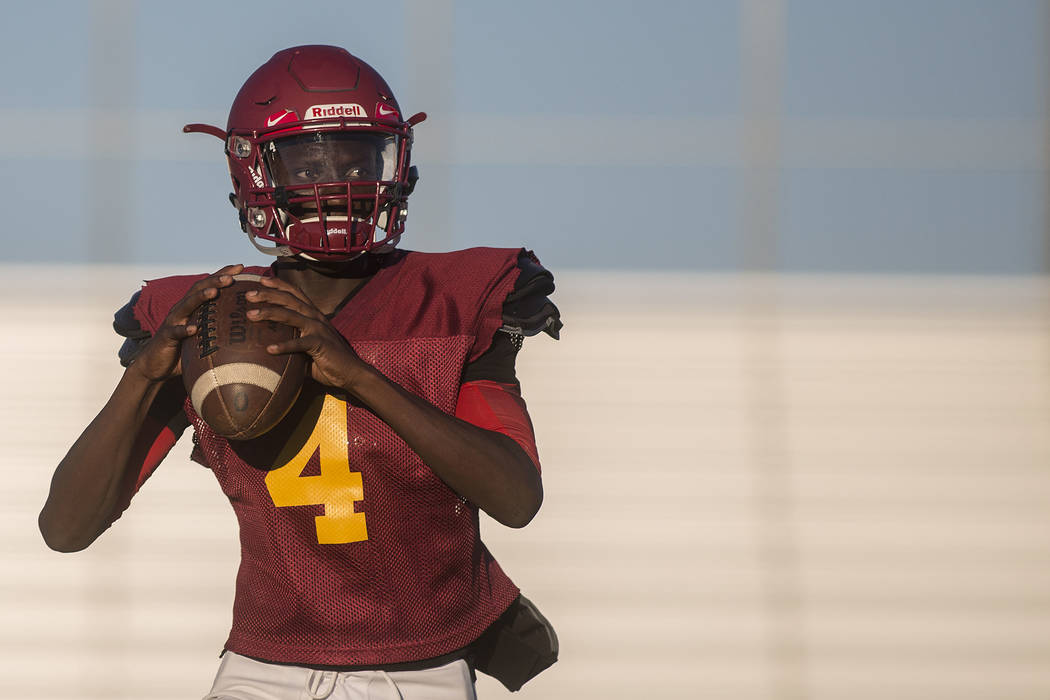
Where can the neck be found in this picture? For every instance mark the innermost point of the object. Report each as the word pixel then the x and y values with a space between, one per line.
pixel 327 284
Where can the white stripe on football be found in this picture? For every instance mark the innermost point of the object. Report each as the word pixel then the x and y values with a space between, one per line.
pixel 233 373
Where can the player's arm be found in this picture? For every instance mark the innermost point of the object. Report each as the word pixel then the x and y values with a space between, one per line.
pixel 487 467
pixel 490 395
pixel 130 435
pixel 96 478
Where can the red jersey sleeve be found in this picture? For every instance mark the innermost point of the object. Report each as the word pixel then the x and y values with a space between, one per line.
pixel 163 426
pixel 165 420
pixel 499 407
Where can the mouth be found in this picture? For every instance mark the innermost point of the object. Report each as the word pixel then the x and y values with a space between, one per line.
pixel 310 207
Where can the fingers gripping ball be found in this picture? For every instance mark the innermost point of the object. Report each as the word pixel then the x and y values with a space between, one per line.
pixel 239 389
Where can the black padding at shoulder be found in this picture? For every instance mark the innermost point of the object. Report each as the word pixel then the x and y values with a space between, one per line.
pixel 125 323
pixel 495 364
pixel 527 310
pixel 127 326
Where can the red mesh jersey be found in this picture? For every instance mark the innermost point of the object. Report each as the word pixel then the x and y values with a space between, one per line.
pixel 352 551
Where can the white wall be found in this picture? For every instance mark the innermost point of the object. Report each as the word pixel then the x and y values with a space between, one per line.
pixel 755 488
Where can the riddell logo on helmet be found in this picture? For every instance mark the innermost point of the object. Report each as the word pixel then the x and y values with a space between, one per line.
pixel 343 110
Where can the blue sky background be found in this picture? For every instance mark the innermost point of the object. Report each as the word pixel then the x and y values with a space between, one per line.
pixel 910 136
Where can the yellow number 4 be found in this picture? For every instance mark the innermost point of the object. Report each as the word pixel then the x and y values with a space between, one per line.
pixel 336 486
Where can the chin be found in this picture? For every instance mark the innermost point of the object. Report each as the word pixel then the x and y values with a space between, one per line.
pixel 331 264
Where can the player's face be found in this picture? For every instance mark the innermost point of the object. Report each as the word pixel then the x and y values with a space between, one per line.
pixel 313 158
pixel 320 158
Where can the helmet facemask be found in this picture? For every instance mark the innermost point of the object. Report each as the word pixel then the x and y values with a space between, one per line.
pixel 324 194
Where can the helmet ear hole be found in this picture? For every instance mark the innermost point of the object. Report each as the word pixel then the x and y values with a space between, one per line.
pixel 280 197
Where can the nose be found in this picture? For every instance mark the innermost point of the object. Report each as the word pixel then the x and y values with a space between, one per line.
pixel 326 173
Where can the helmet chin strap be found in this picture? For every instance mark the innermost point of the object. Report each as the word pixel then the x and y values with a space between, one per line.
pixel 277 251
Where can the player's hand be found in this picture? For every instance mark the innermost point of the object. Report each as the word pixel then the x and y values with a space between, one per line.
pixel 333 361
pixel 161 358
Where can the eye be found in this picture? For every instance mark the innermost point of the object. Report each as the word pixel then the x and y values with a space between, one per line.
pixel 356 173
pixel 304 174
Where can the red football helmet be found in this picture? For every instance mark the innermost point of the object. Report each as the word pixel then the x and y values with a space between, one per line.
pixel 319 155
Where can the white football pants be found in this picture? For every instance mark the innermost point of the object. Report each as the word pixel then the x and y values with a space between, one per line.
pixel 241 678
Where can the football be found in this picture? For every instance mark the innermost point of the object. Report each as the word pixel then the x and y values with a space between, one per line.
pixel 240 390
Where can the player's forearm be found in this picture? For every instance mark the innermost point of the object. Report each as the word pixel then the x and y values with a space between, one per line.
pixel 87 485
pixel 487 468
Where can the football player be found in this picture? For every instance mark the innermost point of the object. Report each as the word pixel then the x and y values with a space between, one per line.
pixel 362 570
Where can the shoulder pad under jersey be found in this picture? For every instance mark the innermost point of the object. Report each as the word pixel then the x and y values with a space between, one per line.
pixel 127 326
pixel 527 311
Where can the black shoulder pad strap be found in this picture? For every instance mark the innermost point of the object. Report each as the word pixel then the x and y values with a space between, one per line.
pixel 527 310
pixel 126 325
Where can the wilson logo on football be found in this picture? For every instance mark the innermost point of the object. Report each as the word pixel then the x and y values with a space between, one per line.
pixel 343 110
pixel 283 117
